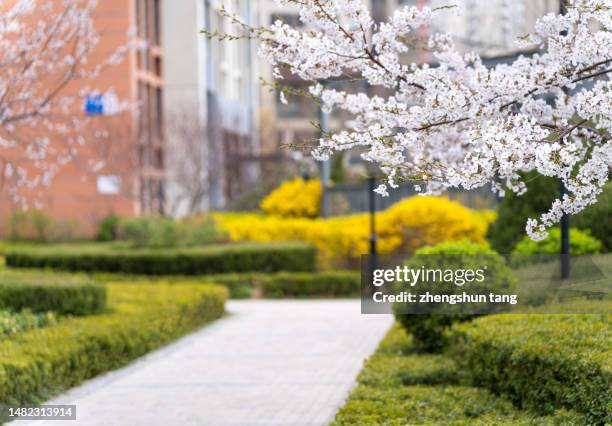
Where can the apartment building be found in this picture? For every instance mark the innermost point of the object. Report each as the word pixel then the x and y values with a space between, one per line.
pixel 491 27
pixel 283 123
pixel 119 167
pixel 149 68
pixel 185 139
pixel 210 105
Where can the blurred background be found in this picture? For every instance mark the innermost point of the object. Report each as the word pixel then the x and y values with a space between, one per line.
pixel 202 133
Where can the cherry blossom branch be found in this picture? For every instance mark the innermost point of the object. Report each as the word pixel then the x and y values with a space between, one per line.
pixel 467 125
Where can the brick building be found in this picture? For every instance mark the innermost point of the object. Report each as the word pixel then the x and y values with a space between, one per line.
pixel 119 168
pixel 191 107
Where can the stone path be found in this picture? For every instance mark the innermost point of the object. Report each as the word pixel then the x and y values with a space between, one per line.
pixel 269 363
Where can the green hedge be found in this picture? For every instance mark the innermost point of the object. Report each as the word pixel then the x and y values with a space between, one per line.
pixel 271 285
pixel 322 284
pixel 542 362
pixel 399 386
pixel 65 299
pixel 39 291
pixel 292 284
pixel 37 364
pixel 181 261
pixel 427 323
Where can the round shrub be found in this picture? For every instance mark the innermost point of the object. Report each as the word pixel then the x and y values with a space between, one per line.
pixel 581 242
pixel 428 322
pixel 422 221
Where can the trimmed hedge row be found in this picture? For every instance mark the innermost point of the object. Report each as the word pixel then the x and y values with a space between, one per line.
pixel 65 299
pixel 322 284
pixel 292 284
pixel 37 364
pixel 272 285
pixel 38 291
pixel 542 362
pixel 399 386
pixel 185 261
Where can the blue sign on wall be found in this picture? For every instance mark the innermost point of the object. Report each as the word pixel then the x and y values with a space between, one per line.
pixel 94 105
pixel 101 104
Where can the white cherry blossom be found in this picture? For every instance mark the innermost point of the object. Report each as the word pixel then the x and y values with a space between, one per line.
pixel 457 123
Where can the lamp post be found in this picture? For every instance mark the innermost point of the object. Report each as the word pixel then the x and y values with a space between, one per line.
pixel 565 221
pixel 372 209
pixel 565 241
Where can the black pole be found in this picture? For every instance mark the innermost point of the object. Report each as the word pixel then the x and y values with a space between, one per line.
pixel 565 221
pixel 372 205
pixel 565 240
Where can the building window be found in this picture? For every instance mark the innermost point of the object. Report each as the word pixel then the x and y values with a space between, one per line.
pixel 293 20
pixel 150 128
pixel 229 55
pixel 148 20
pixel 156 39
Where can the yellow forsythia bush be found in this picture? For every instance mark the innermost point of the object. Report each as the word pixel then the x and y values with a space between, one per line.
pixel 422 221
pixel 403 228
pixel 294 198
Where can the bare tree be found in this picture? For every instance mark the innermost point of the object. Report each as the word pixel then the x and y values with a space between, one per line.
pixel 188 169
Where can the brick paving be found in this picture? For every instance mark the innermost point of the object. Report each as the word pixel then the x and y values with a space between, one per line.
pixel 269 363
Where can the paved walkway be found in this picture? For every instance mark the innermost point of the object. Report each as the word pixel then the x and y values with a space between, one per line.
pixel 269 363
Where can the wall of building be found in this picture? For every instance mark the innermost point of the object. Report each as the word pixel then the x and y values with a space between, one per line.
pixel 77 192
pixel 210 106
pixel 185 74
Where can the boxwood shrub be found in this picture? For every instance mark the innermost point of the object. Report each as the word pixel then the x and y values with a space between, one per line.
pixel 427 323
pixel 542 362
pixel 293 284
pixel 269 285
pixel 36 364
pixel 84 298
pixel 300 284
pixel 216 259
pixel 400 386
